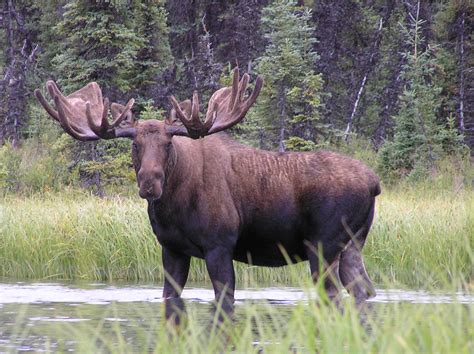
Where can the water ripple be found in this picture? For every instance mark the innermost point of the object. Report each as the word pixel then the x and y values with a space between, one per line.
pixel 103 294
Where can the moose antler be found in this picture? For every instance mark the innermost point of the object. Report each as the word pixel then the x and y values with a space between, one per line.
pixel 226 108
pixel 83 114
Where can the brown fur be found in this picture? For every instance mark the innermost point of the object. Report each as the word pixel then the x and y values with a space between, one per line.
pixel 215 195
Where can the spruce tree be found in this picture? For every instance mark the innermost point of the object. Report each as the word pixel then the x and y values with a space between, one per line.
pixel 290 101
pixel 419 135
pixel 154 54
pixel 97 44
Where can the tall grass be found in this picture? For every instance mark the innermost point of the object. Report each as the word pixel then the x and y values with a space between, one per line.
pixel 423 238
pixel 419 238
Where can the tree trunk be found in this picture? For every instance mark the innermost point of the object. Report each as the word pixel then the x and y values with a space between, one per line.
pixel 392 91
pixel 282 111
pixel 370 64
pixel 466 76
pixel 356 103
pixel 461 71
pixel 368 69
pixel 17 63
pixel 8 131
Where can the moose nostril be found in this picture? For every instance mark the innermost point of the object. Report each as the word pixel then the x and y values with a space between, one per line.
pixel 150 182
pixel 149 176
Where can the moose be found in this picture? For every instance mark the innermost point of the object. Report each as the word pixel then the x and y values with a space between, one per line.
pixel 213 198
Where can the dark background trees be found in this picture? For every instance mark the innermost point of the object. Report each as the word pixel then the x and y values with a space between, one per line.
pixel 336 71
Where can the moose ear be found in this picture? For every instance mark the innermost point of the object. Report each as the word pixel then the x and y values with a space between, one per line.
pixel 117 109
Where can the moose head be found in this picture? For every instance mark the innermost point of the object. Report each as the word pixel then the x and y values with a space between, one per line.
pixel 84 116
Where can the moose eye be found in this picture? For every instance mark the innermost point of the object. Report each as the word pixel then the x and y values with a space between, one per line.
pixel 135 146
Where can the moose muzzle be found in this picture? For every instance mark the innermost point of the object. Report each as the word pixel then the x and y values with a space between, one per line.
pixel 150 184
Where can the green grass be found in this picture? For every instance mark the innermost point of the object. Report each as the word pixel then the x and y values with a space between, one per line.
pixel 420 237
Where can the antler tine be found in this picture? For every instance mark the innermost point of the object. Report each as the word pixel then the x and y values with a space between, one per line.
pixel 106 130
pixel 122 116
pixel 195 108
pixel 211 118
pixel 98 129
pixel 59 99
pixel 179 112
pixel 105 112
pixel 241 92
pixel 256 91
pixel 235 87
pixel 51 111
pixel 192 123
pixel 169 120
pixel 54 90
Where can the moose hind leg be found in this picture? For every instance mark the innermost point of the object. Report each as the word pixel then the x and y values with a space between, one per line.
pixel 352 270
pixel 353 274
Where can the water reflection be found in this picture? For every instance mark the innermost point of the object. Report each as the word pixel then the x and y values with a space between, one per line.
pixel 103 294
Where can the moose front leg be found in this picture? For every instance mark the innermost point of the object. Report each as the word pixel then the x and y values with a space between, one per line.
pixel 221 271
pixel 176 269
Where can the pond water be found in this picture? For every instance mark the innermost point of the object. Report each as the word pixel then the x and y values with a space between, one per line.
pixel 28 310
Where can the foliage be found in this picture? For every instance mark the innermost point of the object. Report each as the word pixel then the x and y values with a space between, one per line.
pixel 154 55
pixel 419 137
pixel 150 112
pixel 99 42
pixel 33 169
pixel 295 143
pixel 290 100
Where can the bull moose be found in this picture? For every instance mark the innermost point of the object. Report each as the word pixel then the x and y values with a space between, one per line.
pixel 213 198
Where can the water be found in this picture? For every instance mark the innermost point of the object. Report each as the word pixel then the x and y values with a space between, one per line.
pixel 30 312
pixel 104 294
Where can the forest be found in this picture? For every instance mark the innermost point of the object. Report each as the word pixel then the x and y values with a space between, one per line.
pixel 391 82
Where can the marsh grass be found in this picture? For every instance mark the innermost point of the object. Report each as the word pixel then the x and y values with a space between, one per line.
pixel 423 238
pixel 312 328
pixel 420 237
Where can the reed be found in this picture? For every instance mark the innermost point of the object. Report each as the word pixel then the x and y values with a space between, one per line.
pixel 419 238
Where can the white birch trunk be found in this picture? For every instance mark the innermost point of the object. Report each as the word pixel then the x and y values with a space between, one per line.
pixel 364 80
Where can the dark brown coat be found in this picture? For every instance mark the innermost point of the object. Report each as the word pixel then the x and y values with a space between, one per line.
pixel 212 198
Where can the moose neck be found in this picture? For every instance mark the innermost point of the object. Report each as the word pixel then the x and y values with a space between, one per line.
pixel 169 168
pixel 178 169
